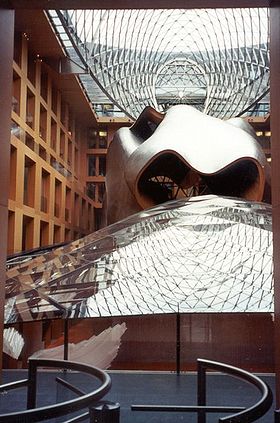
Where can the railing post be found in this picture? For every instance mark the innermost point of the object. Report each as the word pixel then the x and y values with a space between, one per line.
pixel 32 385
pixel 105 412
pixel 66 339
pixel 201 391
pixel 178 342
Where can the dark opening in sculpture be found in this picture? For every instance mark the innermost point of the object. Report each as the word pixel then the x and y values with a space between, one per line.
pixel 181 154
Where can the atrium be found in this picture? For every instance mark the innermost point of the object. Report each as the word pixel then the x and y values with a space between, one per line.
pixel 79 75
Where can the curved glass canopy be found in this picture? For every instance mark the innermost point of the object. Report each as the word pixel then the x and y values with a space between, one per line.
pixel 208 254
pixel 214 59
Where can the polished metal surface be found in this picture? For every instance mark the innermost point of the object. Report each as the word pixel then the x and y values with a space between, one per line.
pixel 180 154
pixel 208 254
pixel 214 59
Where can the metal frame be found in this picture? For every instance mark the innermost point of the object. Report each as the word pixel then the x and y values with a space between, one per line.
pixel 110 273
pixel 85 400
pixel 124 52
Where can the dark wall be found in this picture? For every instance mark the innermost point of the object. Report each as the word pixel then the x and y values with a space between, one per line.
pixel 149 343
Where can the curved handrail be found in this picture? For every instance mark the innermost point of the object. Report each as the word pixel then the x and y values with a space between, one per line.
pixel 241 414
pixel 63 408
pixel 252 413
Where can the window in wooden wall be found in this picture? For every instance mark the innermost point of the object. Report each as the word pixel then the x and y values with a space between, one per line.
pixel 63 116
pixel 56 234
pixel 13 173
pixel 44 233
pixel 27 233
pixel 76 160
pixel 67 234
pixel 54 99
pixel 53 134
pixel 29 181
pixel 30 108
pixel 83 214
pixel 92 140
pixel 90 217
pixel 57 202
pixel 92 165
pixel 62 145
pixel 16 93
pixel 42 153
pixel 97 218
pixel 102 165
pixel 11 232
pixel 29 141
pixel 68 205
pixel 16 130
pixel 103 136
pixel 45 191
pixel 91 188
pixel 31 69
pixel 70 124
pixel 18 48
pixel 101 191
pixel 70 154
pixel 43 122
pixel 44 86
pixel 76 209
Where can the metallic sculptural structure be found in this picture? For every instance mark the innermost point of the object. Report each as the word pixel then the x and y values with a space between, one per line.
pixel 180 154
pixel 189 253
pixel 205 254
pixel 216 60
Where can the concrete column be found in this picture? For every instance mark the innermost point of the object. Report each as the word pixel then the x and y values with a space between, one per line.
pixel 275 154
pixel 6 77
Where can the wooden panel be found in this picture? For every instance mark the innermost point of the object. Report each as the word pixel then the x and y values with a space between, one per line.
pixel 149 343
pixel 43 124
pixel 6 51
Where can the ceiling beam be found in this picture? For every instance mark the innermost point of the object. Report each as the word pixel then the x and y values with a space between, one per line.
pixel 133 4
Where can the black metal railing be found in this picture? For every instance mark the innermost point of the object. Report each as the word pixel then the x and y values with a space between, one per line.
pixel 83 401
pixel 238 414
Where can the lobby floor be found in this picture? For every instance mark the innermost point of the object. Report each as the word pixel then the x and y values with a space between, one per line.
pixel 141 388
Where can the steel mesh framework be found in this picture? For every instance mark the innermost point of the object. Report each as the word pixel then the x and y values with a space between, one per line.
pixel 215 59
pixel 208 254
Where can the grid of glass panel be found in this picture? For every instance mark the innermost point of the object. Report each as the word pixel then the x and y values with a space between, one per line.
pixel 214 59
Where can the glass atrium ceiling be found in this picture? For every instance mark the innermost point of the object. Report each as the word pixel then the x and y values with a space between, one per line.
pixel 214 59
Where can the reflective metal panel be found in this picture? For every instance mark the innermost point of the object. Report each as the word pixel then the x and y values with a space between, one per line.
pixel 208 254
